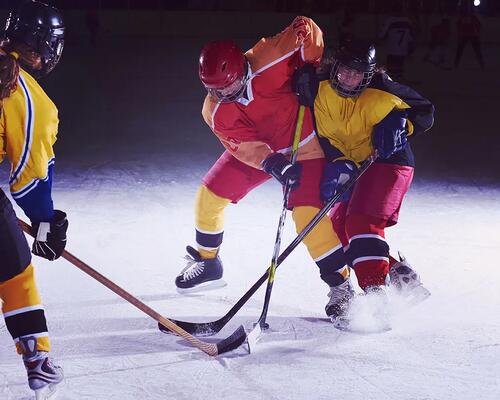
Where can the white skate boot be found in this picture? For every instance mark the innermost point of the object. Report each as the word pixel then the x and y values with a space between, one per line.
pixel 337 307
pixel 43 375
pixel 405 280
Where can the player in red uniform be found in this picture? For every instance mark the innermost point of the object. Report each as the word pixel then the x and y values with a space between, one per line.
pixel 252 109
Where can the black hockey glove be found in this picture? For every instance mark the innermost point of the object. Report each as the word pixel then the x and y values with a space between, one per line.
pixel 305 83
pixel 389 135
pixel 50 237
pixel 283 170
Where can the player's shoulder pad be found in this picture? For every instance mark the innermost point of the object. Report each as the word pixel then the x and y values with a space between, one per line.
pixel 421 111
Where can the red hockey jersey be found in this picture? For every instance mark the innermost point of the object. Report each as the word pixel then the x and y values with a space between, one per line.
pixel 264 120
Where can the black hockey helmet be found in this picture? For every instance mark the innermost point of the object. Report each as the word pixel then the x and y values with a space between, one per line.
pixel 358 55
pixel 40 27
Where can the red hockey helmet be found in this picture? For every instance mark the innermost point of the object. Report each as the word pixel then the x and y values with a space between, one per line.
pixel 223 70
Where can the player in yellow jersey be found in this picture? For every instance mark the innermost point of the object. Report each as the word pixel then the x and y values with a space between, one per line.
pixel 32 46
pixel 359 110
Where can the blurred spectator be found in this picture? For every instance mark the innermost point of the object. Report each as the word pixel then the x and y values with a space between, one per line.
pixel 439 43
pixel 468 30
pixel 397 34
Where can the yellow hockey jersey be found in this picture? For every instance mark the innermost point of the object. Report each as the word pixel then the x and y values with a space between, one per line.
pixel 345 125
pixel 28 129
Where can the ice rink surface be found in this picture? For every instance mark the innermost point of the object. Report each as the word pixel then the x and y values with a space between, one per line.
pixel 127 177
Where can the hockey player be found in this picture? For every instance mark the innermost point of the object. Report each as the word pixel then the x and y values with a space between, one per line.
pixel 32 46
pixel 359 109
pixel 252 109
pixel 398 35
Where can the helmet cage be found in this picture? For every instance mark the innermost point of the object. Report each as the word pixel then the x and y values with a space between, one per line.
pixel 366 69
pixel 240 84
pixel 46 41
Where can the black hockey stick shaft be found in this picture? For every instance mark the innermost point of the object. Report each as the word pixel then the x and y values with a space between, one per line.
pixel 277 243
pixel 212 349
pixel 212 327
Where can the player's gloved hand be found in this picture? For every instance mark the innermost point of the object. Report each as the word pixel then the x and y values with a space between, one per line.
pixel 50 237
pixel 389 135
pixel 305 83
pixel 335 175
pixel 283 170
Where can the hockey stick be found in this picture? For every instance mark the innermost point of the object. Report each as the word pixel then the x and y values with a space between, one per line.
pixel 212 327
pixel 212 349
pixel 261 322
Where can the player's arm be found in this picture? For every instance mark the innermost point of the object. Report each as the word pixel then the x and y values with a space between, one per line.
pixel 309 37
pixel 305 81
pixel 240 140
pixel 302 35
pixel 31 187
pixel 31 178
pixel 419 110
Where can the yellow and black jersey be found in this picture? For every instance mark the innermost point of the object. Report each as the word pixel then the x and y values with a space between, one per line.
pixel 28 129
pixel 345 125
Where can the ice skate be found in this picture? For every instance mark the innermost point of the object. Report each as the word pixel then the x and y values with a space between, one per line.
pixel 199 274
pixel 43 375
pixel 368 313
pixel 337 307
pixel 379 304
pixel 406 282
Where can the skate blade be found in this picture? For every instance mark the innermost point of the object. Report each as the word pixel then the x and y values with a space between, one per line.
pixel 417 295
pixel 47 392
pixel 203 287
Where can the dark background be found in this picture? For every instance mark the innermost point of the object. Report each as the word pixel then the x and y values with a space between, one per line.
pixel 127 84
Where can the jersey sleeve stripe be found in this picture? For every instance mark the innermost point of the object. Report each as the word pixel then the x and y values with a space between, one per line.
pixel 289 54
pixel 25 190
pixel 31 185
pixel 23 161
pixel 301 143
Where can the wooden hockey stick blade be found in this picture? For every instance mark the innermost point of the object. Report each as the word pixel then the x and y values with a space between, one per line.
pixel 210 328
pixel 212 349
